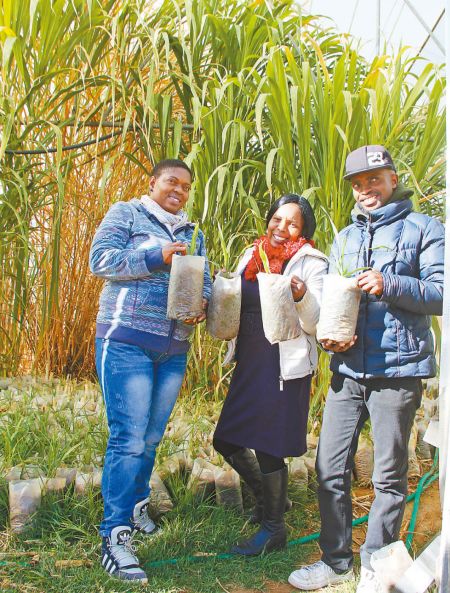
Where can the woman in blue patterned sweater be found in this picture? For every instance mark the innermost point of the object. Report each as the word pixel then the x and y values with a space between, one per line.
pixel 140 354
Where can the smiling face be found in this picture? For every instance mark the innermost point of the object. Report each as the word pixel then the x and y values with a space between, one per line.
pixel 285 225
pixel 373 189
pixel 170 189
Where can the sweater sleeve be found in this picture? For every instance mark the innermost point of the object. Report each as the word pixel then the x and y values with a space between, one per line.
pixel 423 295
pixel 308 308
pixel 111 258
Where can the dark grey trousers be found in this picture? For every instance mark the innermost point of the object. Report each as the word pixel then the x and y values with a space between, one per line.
pixel 391 405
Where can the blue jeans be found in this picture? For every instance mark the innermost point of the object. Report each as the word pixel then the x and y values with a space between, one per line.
pixel 140 388
pixel 391 404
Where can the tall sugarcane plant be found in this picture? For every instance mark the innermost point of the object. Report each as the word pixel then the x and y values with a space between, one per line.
pixel 257 97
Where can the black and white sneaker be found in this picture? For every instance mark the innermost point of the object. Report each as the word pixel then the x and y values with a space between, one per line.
pixel 118 558
pixel 141 520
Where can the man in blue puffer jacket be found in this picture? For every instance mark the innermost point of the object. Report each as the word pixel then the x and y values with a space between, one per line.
pixel 378 374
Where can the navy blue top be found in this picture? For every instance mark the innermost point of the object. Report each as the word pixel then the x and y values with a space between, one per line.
pixel 256 413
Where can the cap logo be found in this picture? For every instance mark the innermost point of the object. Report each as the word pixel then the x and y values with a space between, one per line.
pixel 375 158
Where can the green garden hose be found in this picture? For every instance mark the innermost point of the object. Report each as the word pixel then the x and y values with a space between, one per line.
pixel 426 481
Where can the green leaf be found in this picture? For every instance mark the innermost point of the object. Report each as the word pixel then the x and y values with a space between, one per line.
pixel 193 244
pixel 264 258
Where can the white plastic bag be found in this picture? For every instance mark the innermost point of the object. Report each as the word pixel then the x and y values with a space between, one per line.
pixel 298 472
pixel 228 488
pixel 160 500
pixel 88 477
pixel 202 481
pixel 24 500
pixel 185 298
pixel 339 309
pixel 224 308
pixel 279 313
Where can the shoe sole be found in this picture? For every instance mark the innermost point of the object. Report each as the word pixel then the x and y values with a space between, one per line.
pixel 267 549
pixel 308 587
pixel 117 577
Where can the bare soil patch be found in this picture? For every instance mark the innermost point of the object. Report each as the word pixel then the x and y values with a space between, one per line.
pixel 428 524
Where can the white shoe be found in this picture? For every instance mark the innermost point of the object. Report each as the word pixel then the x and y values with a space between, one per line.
pixel 118 557
pixel 369 583
pixel 141 521
pixel 316 576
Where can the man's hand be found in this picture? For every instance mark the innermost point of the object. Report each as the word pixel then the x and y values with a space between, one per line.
pixel 338 346
pixel 298 288
pixel 201 317
pixel 371 282
pixel 171 248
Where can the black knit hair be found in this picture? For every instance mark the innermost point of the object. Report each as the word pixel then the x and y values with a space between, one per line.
pixel 170 164
pixel 309 220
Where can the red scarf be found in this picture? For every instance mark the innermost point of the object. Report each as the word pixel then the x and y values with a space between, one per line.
pixel 277 256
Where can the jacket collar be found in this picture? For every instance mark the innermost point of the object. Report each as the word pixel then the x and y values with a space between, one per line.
pixel 151 215
pixel 381 216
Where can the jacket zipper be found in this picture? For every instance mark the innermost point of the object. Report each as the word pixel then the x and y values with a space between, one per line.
pixel 370 231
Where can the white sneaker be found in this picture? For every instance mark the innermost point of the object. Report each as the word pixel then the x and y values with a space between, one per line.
pixel 316 576
pixel 141 521
pixel 369 583
pixel 118 557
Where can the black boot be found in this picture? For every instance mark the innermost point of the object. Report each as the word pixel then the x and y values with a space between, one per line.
pixel 257 512
pixel 272 533
pixel 247 466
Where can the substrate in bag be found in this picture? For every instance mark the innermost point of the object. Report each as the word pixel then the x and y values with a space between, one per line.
pixel 224 308
pixel 279 314
pixel 339 308
pixel 185 298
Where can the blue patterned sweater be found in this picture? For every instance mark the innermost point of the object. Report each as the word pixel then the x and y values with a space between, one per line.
pixel 127 252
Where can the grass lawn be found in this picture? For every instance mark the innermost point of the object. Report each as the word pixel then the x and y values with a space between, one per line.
pixel 60 551
pixel 54 424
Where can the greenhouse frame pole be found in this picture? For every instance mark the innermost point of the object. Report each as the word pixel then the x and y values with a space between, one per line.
pixel 378 27
pixel 430 32
pixel 444 391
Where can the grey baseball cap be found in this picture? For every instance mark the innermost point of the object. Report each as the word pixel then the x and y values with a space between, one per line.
pixel 366 158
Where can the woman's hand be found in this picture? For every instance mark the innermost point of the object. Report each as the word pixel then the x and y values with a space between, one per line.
pixel 298 288
pixel 338 346
pixel 171 248
pixel 201 317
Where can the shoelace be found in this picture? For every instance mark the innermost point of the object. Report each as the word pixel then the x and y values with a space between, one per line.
pixel 312 567
pixel 143 520
pixel 125 552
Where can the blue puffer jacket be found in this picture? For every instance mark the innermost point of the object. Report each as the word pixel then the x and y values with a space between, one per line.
pixel 127 252
pixel 394 337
